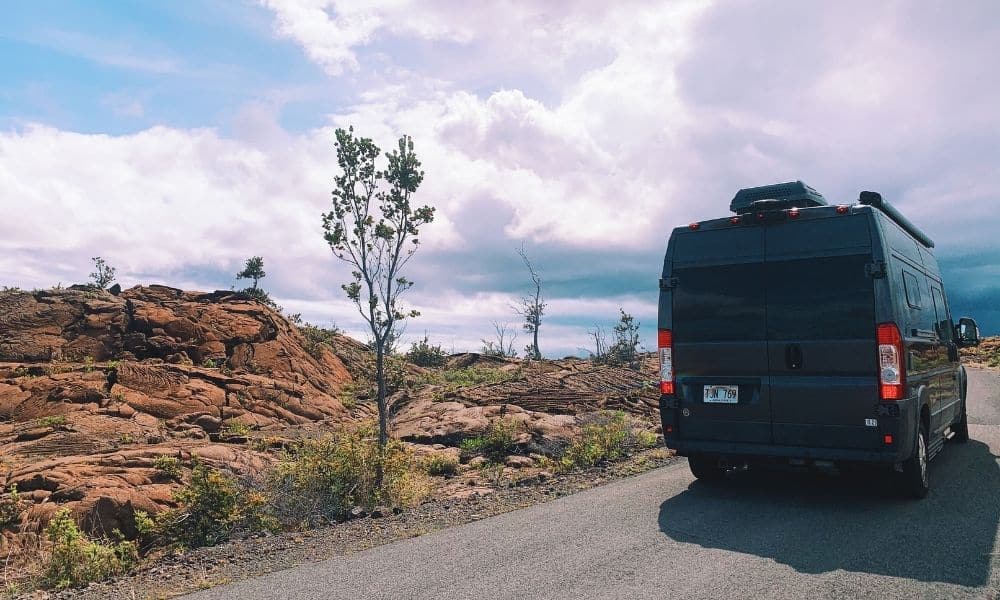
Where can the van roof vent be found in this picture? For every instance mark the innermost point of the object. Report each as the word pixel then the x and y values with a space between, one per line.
pixel 875 200
pixel 776 196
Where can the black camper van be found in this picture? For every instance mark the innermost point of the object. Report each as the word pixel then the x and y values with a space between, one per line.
pixel 798 332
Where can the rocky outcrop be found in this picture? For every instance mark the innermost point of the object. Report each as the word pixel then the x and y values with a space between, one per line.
pixel 95 387
pixel 544 398
pixel 99 391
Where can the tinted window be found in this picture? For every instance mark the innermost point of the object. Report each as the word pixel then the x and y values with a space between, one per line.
pixel 820 299
pixel 721 303
pixel 943 323
pixel 912 289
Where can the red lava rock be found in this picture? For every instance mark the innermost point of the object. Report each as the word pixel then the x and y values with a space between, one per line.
pixel 115 418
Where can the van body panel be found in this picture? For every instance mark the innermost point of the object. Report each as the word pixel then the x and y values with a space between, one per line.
pixel 785 308
pixel 721 337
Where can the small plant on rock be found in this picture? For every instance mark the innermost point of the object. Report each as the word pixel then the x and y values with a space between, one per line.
pixel 210 508
pixel 606 436
pixel 317 338
pixel 11 505
pixel 104 274
pixel 323 479
pixel 168 465
pixel 498 441
pixel 53 421
pixel 425 354
pixel 76 560
pixel 442 464
pixel 234 429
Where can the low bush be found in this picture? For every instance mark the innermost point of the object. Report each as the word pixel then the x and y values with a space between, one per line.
pixel 76 560
pixel 425 354
pixel 234 429
pixel 606 436
pixel 211 507
pixel 469 376
pixel 168 465
pixel 11 505
pixel 52 421
pixel 441 464
pixel 317 337
pixel 322 479
pixel 498 441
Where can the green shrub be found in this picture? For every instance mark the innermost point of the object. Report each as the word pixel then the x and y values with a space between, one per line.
pixel 76 560
pixel 606 436
pixel 234 429
pixel 211 507
pixel 52 421
pixel 425 354
pixel 317 337
pixel 441 464
pixel 469 376
pixel 323 479
pixel 11 505
pixel 498 441
pixel 168 465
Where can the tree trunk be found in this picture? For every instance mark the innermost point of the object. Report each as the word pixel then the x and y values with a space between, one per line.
pixel 383 414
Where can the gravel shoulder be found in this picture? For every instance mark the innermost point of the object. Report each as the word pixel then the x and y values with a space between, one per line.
pixel 177 574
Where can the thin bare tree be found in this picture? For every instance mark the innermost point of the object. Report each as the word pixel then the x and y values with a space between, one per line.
pixel 600 353
pixel 531 308
pixel 503 343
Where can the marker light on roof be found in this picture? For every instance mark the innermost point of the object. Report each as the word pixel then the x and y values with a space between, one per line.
pixel 793 213
pixel 694 226
pixel 842 210
pixel 734 220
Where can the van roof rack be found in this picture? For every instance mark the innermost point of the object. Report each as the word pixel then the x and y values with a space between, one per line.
pixel 792 194
pixel 874 199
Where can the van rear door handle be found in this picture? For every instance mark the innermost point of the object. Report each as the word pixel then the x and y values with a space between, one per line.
pixel 793 356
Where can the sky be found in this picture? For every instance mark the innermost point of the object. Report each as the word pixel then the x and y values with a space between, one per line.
pixel 176 139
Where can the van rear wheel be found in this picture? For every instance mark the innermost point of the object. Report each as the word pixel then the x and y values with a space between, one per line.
pixel 915 478
pixel 705 468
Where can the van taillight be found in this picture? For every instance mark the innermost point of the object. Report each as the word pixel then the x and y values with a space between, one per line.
pixel 892 375
pixel 665 345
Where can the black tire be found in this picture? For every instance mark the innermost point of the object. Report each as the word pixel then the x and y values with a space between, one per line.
pixel 915 477
pixel 705 468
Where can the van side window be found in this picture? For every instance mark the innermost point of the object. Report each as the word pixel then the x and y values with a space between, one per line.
pixel 942 323
pixel 912 289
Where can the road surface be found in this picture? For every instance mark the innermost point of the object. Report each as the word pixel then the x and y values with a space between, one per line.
pixel 664 535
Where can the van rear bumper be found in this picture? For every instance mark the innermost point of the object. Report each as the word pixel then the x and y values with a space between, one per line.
pixel 900 423
pixel 734 450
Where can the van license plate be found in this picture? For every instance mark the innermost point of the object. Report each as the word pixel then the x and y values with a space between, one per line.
pixel 722 394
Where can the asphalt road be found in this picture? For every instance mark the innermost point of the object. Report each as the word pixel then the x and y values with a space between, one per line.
pixel 664 535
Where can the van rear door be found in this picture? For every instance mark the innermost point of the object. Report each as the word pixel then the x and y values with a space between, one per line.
pixel 719 334
pixel 820 320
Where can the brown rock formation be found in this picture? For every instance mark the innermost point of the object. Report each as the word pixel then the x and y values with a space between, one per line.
pixel 94 387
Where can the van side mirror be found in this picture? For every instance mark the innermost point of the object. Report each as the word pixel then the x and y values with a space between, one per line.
pixel 967 332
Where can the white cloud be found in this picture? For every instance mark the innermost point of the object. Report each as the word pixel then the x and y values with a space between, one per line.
pixel 591 126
